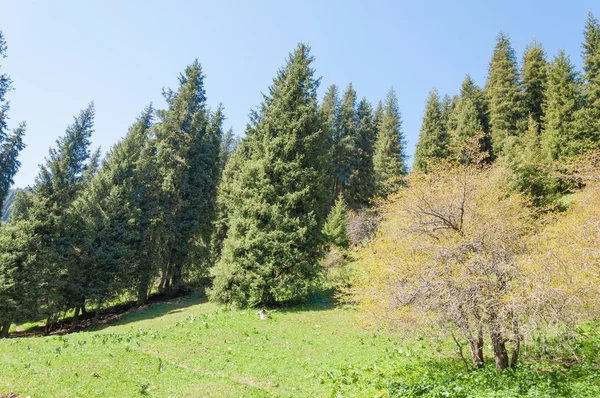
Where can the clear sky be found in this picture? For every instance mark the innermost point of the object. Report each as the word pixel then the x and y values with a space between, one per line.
pixel 120 53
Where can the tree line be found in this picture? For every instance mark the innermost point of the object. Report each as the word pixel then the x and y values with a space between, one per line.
pixel 534 114
pixel 180 200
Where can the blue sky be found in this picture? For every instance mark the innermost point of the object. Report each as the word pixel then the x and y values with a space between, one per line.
pixel 64 54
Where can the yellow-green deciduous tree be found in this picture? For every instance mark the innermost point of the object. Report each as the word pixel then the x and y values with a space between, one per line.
pixel 457 253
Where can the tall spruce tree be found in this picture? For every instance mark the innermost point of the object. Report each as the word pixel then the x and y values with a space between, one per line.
pixel 361 186
pixel 344 151
pixel 560 138
pixel 56 226
pixel 20 286
pixel 389 158
pixel 504 95
pixel 534 74
pixel 588 119
pixel 118 208
pixel 470 116
pixel 10 143
pixel 188 147
pixel 434 139
pixel 278 198
pixel 328 111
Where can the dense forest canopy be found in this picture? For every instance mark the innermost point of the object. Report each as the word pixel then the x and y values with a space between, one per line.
pixel 500 173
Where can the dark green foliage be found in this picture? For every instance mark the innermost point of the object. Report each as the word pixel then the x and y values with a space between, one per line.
pixel 55 223
pixel 534 74
pixel 188 142
pixel 336 226
pixel 504 95
pixel 434 139
pixel 533 175
pixel 20 286
pixel 228 146
pixel 470 116
pixel 389 159
pixel 361 186
pixel 328 112
pixel 560 136
pixel 117 212
pixel 278 198
pixel 10 143
pixel 588 119
pixel 344 141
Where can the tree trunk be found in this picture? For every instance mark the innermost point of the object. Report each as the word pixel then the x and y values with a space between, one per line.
pixel 476 346
pixel 142 292
pixel 5 329
pixel 75 319
pixel 82 308
pixel 164 279
pixel 499 347
pixel 48 326
pixel 175 281
pixel 515 354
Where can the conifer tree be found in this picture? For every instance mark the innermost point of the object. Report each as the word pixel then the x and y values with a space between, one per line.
pixel 329 111
pixel 504 95
pixel 434 139
pixel 534 72
pixel 469 116
pixel 588 119
pixel 389 158
pixel 20 286
pixel 228 146
pixel 336 226
pixel 378 118
pixel 278 198
pixel 188 147
pixel 117 210
pixel 361 186
pixel 560 138
pixel 10 143
pixel 56 226
pixel 344 154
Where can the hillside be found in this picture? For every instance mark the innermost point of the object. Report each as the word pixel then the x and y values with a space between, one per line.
pixel 190 347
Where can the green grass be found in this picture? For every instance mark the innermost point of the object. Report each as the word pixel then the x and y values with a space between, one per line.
pixel 191 348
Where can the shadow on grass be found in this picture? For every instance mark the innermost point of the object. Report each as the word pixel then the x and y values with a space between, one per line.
pixel 320 299
pixel 158 305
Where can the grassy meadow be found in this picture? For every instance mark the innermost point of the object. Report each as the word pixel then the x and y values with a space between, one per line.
pixel 190 347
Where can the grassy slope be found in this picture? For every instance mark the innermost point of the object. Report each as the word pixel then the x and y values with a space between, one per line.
pixel 193 348
pixel 204 350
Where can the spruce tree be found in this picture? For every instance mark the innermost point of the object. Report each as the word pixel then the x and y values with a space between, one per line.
pixel 278 198
pixel 20 286
pixel 470 117
pixel 560 138
pixel 55 221
pixel 588 119
pixel 434 139
pixel 389 158
pixel 328 111
pixel 336 226
pixel 534 74
pixel 504 95
pixel 117 210
pixel 344 153
pixel 10 143
pixel 361 186
pixel 188 146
